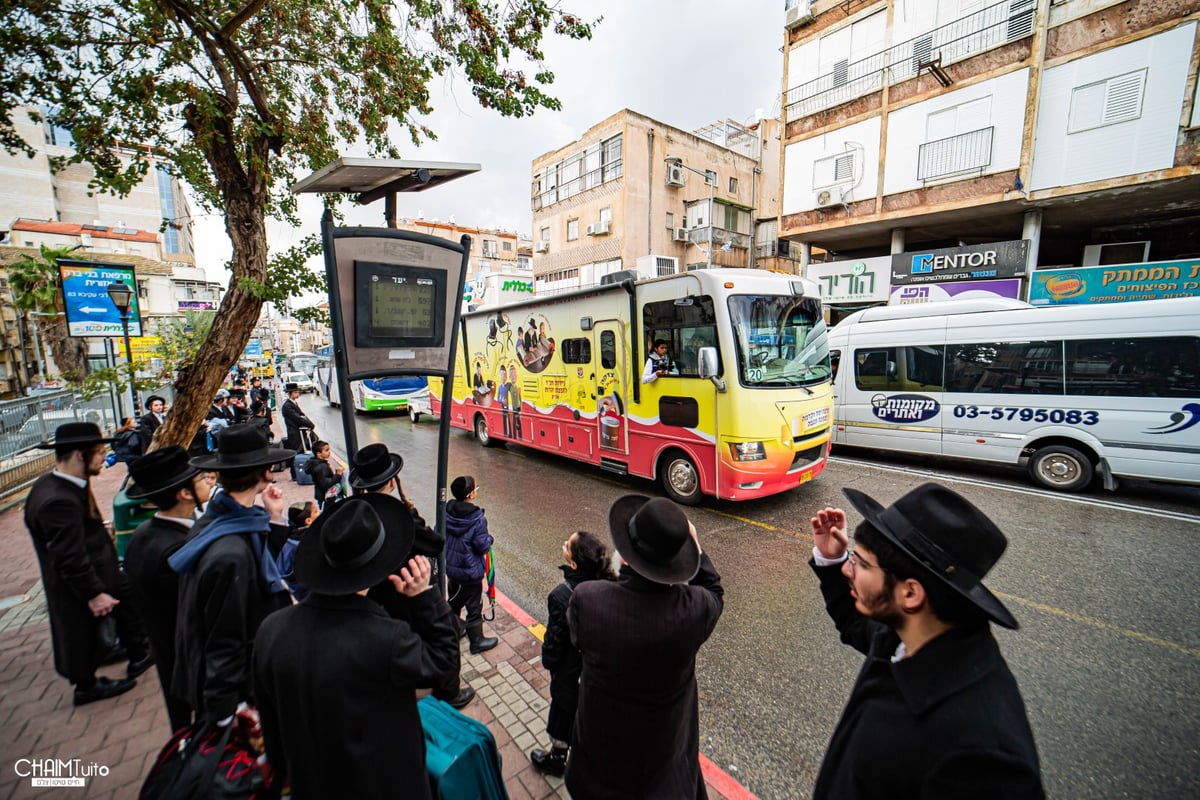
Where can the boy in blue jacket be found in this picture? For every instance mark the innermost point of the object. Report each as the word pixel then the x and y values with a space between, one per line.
pixel 467 542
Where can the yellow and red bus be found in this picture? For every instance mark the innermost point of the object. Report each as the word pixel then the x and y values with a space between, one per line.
pixel 744 412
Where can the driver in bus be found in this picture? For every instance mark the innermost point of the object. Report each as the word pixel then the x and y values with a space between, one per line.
pixel 659 363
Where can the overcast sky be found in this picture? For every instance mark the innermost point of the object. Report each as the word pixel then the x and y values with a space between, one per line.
pixel 686 63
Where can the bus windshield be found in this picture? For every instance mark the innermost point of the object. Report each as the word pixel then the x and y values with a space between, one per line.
pixel 780 340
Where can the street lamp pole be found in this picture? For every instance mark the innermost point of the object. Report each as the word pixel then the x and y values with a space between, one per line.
pixel 122 297
pixel 710 178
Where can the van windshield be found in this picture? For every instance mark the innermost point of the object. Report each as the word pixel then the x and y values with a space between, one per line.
pixel 781 340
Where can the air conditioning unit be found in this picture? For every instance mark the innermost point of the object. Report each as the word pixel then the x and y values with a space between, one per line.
pixel 1102 255
pixel 675 175
pixel 541 246
pixel 680 235
pixel 799 14
pixel 598 228
pixel 826 198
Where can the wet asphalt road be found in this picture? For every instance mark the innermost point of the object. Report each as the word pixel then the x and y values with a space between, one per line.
pixel 1108 654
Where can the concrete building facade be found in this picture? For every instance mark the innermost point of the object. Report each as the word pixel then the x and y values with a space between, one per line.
pixel 914 126
pixel 611 201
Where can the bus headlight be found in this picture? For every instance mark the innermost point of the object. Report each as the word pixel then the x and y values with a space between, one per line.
pixel 748 451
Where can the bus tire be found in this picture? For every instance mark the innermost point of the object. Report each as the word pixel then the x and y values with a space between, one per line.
pixel 1061 468
pixel 680 479
pixel 482 435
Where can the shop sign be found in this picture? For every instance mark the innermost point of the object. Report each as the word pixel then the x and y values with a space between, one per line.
pixel 863 280
pixel 913 294
pixel 970 263
pixel 1157 280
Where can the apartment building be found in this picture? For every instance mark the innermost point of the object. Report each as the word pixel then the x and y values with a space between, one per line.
pixel 942 146
pixel 636 193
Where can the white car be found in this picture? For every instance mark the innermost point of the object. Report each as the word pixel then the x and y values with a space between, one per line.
pixel 301 380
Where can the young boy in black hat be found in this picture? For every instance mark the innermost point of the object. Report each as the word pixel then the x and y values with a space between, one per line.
pixel 179 490
pixel 467 542
pixel 229 580
pixel 152 420
pixel 638 721
pixel 336 676
pixel 80 572
pixel 935 711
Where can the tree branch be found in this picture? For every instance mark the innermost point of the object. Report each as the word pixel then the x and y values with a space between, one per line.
pixel 237 20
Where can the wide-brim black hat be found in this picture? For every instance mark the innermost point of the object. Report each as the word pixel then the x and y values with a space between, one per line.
pixel 75 434
pixel 947 536
pixel 288 388
pixel 373 465
pixel 354 544
pixel 654 538
pixel 161 470
pixel 243 445
pixel 150 400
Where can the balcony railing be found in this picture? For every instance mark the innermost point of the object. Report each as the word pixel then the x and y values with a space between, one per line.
pixel 990 27
pixel 955 155
pixel 720 236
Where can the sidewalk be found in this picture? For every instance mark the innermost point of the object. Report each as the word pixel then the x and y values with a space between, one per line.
pixel 122 736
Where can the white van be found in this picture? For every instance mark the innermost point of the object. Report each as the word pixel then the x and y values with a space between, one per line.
pixel 1073 390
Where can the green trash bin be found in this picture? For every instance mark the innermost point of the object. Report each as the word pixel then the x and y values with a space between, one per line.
pixel 127 515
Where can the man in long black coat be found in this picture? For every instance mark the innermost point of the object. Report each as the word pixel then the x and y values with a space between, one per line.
pixel 180 491
pixel 80 573
pixel 336 677
pixel 935 712
pixel 294 419
pixel 229 580
pixel 152 420
pixel 637 729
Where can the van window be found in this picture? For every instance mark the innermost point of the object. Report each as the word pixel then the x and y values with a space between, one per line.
pixel 1005 368
pixel 576 351
pixel 899 369
pixel 1134 367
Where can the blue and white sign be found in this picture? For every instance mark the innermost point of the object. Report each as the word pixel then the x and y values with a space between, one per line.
pixel 90 311
pixel 253 349
pixel 904 407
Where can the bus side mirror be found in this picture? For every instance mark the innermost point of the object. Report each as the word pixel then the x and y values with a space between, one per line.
pixel 708 367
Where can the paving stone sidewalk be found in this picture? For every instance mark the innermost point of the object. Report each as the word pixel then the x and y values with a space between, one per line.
pixel 124 734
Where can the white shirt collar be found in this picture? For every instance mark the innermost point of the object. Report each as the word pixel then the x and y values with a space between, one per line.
pixel 186 522
pixel 80 482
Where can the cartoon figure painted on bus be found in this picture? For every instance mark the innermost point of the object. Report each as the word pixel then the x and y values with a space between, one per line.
pixel 514 399
pixel 538 344
pixel 482 388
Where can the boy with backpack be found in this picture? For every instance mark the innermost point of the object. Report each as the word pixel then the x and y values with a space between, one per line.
pixel 467 542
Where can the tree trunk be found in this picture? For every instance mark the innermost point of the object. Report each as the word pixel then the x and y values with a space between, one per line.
pixel 69 352
pixel 245 200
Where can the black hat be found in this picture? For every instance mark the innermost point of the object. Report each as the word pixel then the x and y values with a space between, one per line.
pixel 653 536
pixel 150 400
pixel 159 471
pixel 354 544
pixel 240 394
pixel 288 388
pixel 947 536
pixel 373 465
pixel 79 434
pixel 243 445
pixel 462 486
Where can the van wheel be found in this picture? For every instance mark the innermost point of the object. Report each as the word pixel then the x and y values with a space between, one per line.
pixel 1062 468
pixel 481 432
pixel 680 479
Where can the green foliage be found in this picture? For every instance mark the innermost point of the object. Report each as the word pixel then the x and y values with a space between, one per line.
pixel 100 381
pixel 289 274
pixel 181 338
pixel 35 281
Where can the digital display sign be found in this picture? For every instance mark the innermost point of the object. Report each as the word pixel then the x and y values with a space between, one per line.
pixel 399 306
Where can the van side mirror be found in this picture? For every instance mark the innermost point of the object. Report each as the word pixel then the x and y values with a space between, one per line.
pixel 709 367
pixel 891 370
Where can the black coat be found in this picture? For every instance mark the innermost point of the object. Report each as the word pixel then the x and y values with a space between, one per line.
pixel 294 420
pixel 336 680
pixel 637 730
pixel 221 605
pixel 323 477
pixel 947 722
pixel 147 425
pixel 154 587
pixel 561 659
pixel 78 562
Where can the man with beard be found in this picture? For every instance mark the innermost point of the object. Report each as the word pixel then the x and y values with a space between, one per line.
pixel 80 573
pixel 935 712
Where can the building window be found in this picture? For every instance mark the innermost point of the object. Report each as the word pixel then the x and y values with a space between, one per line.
pixel 610 157
pixel 545 235
pixel 733 185
pixel 670 220
pixel 578 172
pixel 1107 102
pixel 572 229
pixel 506 246
pixel 167 207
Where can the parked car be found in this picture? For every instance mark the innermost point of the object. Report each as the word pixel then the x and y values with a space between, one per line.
pixel 40 428
pixel 301 380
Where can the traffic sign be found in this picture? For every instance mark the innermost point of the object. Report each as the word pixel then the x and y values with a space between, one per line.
pixel 90 311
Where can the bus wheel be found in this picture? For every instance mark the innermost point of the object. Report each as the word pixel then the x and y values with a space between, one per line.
pixel 1057 466
pixel 481 432
pixel 680 480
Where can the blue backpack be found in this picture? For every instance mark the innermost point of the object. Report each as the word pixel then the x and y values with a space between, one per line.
pixel 127 445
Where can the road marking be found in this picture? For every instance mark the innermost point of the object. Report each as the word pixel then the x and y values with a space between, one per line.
pixel 1060 612
pixel 1026 490
pixel 1096 623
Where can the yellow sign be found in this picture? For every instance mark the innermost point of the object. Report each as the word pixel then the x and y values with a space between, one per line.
pixel 143 348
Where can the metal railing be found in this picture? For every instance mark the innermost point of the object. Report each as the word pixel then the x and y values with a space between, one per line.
pixel 955 155
pixel 987 28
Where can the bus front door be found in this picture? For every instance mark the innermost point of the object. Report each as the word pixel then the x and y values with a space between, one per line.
pixel 610 360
